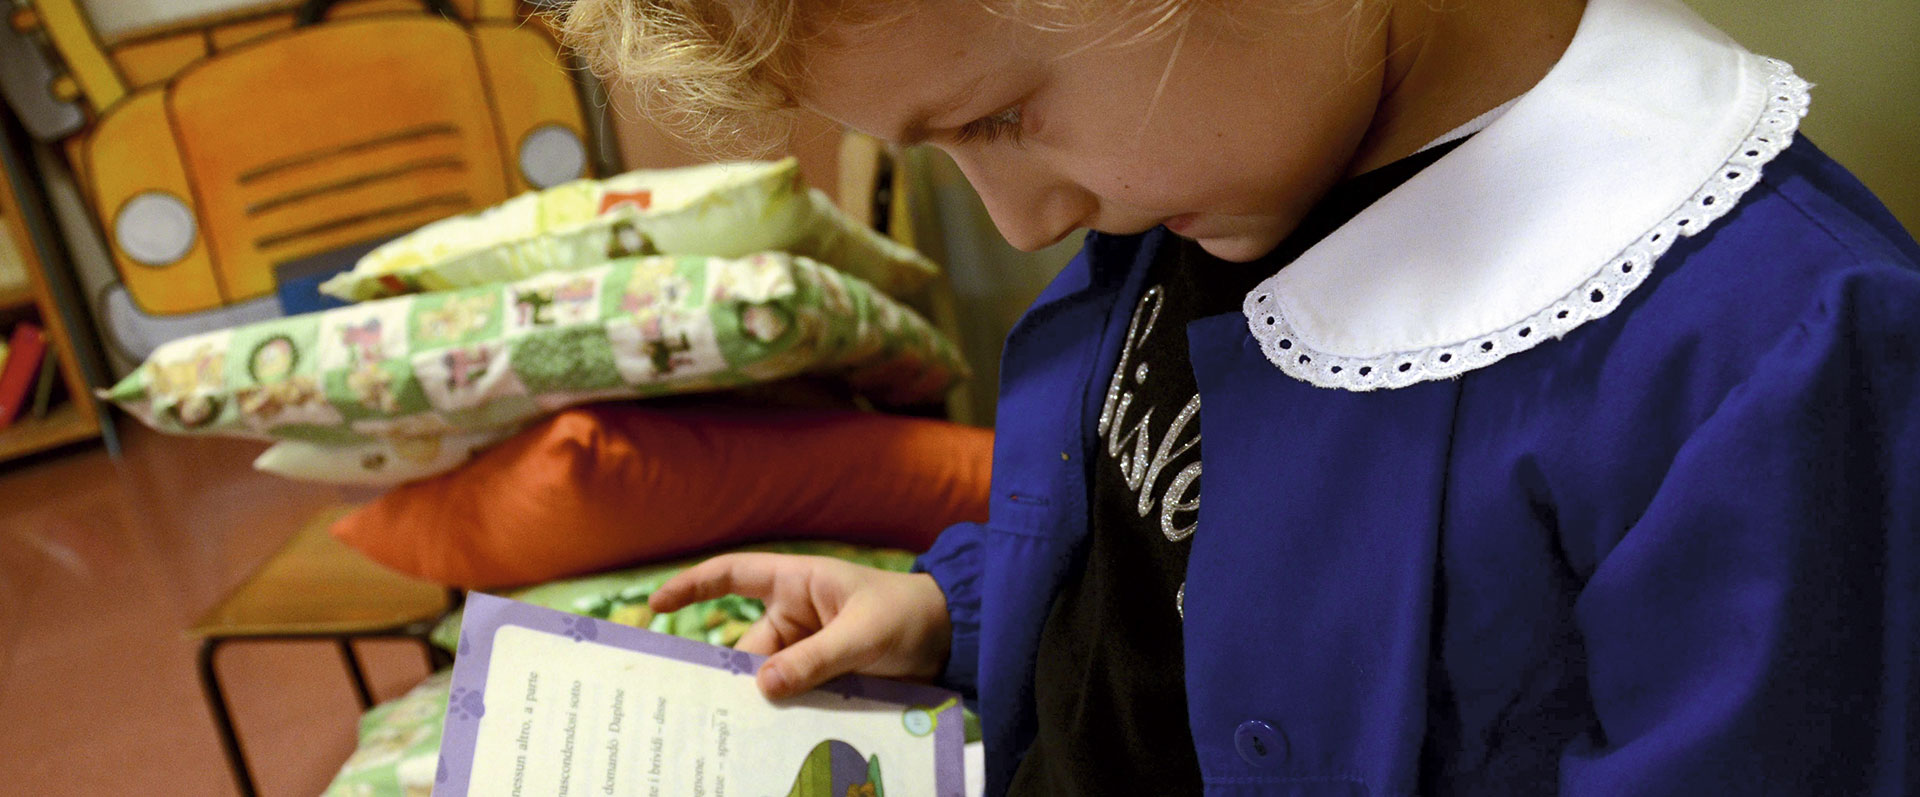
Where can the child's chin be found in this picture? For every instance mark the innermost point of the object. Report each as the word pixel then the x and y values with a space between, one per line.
pixel 1237 248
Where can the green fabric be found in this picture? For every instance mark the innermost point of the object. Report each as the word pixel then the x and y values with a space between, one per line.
pixel 498 356
pixel 621 596
pixel 399 750
pixel 729 210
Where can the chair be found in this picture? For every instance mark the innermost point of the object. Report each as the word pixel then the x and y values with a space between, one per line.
pixel 315 588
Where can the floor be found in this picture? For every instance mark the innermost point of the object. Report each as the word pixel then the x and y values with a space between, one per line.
pixel 103 565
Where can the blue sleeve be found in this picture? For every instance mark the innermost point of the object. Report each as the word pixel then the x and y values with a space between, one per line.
pixel 954 563
pixel 1754 631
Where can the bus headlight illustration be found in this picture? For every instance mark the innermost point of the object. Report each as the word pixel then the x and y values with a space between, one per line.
pixel 154 228
pixel 552 154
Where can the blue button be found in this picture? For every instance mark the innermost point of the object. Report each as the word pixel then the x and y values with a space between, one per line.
pixel 1259 744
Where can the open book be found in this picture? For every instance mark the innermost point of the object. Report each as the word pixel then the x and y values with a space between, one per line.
pixel 549 703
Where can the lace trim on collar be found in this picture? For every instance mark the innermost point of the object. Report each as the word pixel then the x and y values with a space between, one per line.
pixel 1599 295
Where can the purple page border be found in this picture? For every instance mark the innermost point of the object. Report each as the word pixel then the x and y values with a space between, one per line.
pixel 485 614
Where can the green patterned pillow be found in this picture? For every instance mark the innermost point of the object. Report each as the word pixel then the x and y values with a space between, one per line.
pixel 399 751
pixel 498 355
pixel 726 209
pixel 621 596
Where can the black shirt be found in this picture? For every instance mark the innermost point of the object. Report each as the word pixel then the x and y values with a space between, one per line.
pixel 1109 680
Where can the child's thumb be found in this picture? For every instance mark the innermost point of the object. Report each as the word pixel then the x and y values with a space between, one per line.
pixel 831 652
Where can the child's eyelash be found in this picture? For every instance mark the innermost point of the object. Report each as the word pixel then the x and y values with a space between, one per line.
pixel 988 129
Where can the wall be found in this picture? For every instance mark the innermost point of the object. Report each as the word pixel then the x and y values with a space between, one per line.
pixel 1864 60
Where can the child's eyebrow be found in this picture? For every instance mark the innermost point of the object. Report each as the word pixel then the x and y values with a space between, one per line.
pixel 918 127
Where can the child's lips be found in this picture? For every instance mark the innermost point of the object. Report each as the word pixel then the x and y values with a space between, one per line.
pixel 1182 223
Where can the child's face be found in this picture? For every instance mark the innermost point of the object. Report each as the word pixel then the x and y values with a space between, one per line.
pixel 1228 146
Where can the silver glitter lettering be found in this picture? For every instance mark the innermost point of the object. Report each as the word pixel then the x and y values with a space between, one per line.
pixel 1109 414
pixel 1133 464
pixel 1131 445
pixel 1176 501
pixel 1167 451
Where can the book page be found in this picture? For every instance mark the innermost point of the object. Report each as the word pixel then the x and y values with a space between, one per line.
pixel 568 713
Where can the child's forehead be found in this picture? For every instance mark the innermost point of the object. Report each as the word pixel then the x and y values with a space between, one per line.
pixel 929 36
pixel 904 29
pixel 938 56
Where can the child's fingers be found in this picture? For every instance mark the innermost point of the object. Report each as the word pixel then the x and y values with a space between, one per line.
pixel 747 574
pixel 761 638
pixel 839 648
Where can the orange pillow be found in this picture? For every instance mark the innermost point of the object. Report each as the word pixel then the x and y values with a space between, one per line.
pixel 602 486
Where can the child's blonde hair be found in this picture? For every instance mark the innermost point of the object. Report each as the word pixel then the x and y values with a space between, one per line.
pixel 725 72
pixel 709 70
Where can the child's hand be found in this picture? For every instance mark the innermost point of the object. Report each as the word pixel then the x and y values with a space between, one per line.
pixel 825 617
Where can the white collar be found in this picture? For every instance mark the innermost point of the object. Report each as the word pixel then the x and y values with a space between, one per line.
pixel 1476 125
pixel 1650 126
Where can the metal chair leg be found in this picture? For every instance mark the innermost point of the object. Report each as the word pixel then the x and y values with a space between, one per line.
pixel 353 669
pixel 437 659
pixel 222 720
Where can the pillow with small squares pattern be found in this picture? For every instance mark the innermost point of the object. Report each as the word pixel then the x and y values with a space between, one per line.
pixel 500 355
pixel 724 209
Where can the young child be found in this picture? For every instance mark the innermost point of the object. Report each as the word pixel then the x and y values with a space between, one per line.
pixel 1559 402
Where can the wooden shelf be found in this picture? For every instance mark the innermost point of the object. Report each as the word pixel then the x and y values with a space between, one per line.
pixel 12 296
pixel 63 424
pixel 76 418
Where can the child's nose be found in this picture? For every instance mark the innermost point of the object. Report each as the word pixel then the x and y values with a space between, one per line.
pixel 1032 209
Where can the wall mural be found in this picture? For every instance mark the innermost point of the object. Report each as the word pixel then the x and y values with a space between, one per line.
pixel 232 161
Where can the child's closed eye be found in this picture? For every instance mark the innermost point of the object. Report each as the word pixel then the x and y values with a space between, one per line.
pixel 989 129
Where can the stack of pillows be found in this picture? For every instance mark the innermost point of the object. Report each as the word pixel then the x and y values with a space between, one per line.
pixel 470 376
